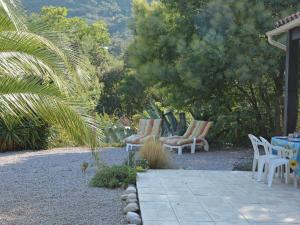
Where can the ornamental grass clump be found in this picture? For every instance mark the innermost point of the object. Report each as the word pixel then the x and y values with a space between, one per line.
pixel 154 153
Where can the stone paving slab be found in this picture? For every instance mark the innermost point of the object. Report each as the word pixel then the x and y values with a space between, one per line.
pixel 196 197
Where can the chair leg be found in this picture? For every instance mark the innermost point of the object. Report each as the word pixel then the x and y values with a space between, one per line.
pixel 260 169
pixel 179 150
pixel 193 149
pixel 286 174
pixel 287 171
pixel 277 172
pixel 266 172
pixel 281 172
pixel 206 145
pixel 254 165
pixel 271 175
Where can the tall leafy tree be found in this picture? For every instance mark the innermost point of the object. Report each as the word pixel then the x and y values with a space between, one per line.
pixel 212 58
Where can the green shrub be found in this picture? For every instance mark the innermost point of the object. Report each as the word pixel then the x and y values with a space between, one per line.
pixel 23 134
pixel 114 176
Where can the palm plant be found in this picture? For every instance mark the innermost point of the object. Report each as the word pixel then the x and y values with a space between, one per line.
pixel 41 77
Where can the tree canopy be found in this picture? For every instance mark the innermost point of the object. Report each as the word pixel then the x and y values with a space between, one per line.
pixel 212 58
pixel 116 14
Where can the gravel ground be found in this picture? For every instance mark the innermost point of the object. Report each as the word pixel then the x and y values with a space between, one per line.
pixel 48 187
pixel 212 160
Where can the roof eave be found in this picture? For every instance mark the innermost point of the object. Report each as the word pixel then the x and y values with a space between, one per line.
pixel 282 29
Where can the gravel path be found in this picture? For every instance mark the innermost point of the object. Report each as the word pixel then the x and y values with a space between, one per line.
pixel 48 187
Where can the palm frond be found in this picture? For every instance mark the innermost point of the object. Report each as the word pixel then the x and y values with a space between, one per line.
pixel 22 64
pixel 28 97
pixel 13 10
pixel 45 53
pixel 39 78
pixel 5 22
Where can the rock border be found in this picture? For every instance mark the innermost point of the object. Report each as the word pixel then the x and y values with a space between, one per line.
pixel 132 209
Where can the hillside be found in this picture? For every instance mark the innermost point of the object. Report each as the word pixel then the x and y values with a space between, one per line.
pixel 116 13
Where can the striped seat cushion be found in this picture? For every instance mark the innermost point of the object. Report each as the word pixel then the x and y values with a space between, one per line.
pixel 142 126
pixel 156 128
pixel 190 129
pixel 201 129
pixel 206 129
pixel 188 132
pixel 148 127
pixel 145 128
pixel 164 139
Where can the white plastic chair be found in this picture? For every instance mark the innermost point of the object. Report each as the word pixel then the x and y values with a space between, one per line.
pixel 265 158
pixel 256 158
pixel 273 162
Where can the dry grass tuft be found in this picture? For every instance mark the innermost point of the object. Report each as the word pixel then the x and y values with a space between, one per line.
pixel 155 154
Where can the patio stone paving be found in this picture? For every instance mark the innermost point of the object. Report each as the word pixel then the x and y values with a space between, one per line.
pixel 190 197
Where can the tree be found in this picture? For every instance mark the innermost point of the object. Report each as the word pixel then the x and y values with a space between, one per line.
pixel 42 79
pixel 116 14
pixel 90 40
pixel 212 58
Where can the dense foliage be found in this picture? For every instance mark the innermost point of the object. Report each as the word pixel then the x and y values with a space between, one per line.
pixel 27 134
pixel 116 13
pixel 89 40
pixel 211 58
pixel 122 93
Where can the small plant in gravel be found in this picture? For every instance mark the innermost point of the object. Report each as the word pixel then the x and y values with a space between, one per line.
pixel 154 153
pixel 141 165
pixel 84 167
pixel 243 165
pixel 114 176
